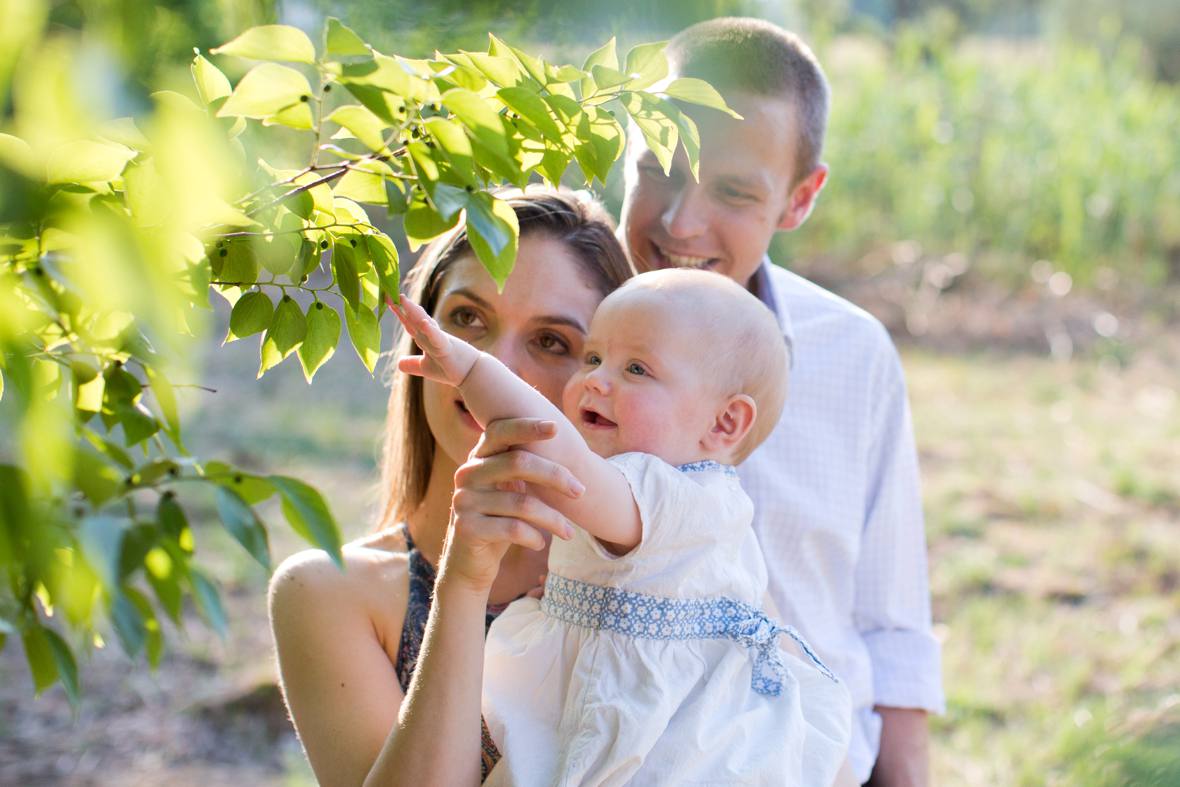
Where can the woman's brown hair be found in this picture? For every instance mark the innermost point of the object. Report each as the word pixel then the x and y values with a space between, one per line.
pixel 573 218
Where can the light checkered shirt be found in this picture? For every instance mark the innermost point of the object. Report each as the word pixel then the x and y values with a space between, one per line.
pixel 838 510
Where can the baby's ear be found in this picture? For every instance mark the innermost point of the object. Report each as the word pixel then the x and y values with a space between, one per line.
pixel 733 422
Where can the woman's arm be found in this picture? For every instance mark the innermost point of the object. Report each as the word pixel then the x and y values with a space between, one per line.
pixel 337 678
pixel 335 651
pixel 491 392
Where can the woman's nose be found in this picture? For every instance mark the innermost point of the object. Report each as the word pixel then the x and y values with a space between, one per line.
pixel 507 351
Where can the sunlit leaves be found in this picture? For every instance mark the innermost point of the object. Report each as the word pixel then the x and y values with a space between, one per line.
pixel 251 314
pixel 266 92
pixel 211 83
pixel 271 42
pixel 308 515
pixel 493 231
pixel 287 328
pixel 698 91
pixel 365 333
pixel 341 41
pixel 85 161
pixel 243 524
pixel 116 232
pixel 323 333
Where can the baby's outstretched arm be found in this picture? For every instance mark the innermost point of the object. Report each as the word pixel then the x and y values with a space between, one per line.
pixel 491 391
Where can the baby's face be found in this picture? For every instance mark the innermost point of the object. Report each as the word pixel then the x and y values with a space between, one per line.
pixel 644 381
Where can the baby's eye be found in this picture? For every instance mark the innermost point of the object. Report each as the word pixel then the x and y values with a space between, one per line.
pixel 592 359
pixel 636 369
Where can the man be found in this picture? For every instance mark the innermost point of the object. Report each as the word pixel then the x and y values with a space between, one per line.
pixel 835 488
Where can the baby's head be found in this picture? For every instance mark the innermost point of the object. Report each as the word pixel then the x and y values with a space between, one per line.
pixel 682 364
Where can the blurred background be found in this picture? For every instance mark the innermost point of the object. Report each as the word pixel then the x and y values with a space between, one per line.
pixel 1005 196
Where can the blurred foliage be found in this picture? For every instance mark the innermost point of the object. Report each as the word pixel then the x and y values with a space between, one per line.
pixel 1002 152
pixel 116 231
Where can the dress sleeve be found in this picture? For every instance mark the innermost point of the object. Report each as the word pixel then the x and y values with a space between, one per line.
pixel 676 512
pixel 892 602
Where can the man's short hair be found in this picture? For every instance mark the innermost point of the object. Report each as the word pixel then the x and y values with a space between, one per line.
pixel 756 56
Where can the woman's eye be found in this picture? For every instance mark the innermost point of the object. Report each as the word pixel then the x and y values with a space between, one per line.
pixel 464 317
pixel 552 343
pixel 636 369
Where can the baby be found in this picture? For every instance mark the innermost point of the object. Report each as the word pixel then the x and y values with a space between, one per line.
pixel 648 660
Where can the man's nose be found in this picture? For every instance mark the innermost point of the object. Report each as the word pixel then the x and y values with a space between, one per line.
pixel 685 215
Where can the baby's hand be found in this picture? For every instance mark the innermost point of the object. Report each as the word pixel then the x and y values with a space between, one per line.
pixel 445 358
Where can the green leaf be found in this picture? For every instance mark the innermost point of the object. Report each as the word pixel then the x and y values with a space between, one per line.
pixel 211 83
pixel 164 576
pixel 153 637
pixel 286 331
pixel 659 130
pixel 479 116
pixel 137 421
pixel 448 200
pixel 253 489
pixel 238 266
pixel 85 161
pixel 341 41
pixel 308 515
pixel 603 56
pixel 171 519
pixel 251 314
pixel 362 185
pixel 129 625
pixel 365 332
pixel 529 105
pixel 165 396
pixel 266 91
pixel 67 668
pixel 208 601
pixel 323 333
pixel 102 541
pixel 362 124
pixel 499 69
pixel 698 91
pixel 493 230
pixel 606 77
pixel 243 524
pixel 455 145
pixel 344 268
pixel 39 654
pixel 423 224
pixel 385 261
pixel 271 42
pixel 646 65
pixel 382 85
pixel 397 196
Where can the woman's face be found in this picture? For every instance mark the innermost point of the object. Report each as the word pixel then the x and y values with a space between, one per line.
pixel 536 327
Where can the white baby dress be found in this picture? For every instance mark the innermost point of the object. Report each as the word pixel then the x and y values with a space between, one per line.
pixel 657 667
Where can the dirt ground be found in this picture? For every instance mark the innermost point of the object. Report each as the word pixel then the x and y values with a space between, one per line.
pixel 212 714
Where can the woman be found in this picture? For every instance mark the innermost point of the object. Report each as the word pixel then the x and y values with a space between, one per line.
pixel 348 642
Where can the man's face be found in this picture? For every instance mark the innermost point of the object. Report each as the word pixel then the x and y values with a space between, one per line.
pixel 724 222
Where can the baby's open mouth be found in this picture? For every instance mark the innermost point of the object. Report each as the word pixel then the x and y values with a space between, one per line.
pixel 591 418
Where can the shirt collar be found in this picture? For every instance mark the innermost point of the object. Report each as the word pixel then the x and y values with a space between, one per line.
pixel 762 285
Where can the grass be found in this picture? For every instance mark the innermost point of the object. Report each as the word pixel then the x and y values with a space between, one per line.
pixel 1052 519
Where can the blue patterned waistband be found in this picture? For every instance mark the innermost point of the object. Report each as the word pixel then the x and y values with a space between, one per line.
pixel 654 617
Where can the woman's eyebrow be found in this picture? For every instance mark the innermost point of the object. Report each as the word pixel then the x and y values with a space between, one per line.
pixel 469 295
pixel 558 319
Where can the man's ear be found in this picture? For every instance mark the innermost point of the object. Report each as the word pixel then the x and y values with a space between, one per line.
pixel 802 198
pixel 732 424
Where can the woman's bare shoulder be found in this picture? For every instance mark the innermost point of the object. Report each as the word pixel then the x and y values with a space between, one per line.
pixel 372 585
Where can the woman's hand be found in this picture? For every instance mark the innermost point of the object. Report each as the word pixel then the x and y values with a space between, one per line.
pixel 492 509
